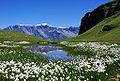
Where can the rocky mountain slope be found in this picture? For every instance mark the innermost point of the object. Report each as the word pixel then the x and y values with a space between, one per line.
pixel 106 29
pixel 97 15
pixel 46 31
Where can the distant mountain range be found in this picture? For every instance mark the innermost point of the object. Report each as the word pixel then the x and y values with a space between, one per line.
pixel 45 31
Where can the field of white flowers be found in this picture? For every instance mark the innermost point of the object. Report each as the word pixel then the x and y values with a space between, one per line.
pixel 17 64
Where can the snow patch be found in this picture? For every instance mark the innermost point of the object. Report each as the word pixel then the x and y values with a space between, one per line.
pixel 24 25
pixel 61 27
pixel 23 42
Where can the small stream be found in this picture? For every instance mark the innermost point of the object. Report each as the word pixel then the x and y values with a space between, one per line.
pixel 52 52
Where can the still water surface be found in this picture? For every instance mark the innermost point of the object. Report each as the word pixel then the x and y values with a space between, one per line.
pixel 52 52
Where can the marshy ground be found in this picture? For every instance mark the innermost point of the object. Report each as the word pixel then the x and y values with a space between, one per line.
pixel 94 61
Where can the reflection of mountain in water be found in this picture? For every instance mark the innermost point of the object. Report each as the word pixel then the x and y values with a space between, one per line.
pixel 52 52
pixel 42 49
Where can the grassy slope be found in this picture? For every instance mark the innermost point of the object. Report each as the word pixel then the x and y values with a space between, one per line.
pixel 96 33
pixel 16 36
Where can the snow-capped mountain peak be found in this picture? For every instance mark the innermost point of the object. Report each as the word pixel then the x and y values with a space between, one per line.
pixel 24 25
pixel 61 27
pixel 46 31
pixel 44 24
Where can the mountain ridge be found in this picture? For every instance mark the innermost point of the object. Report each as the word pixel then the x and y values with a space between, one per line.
pixel 45 31
pixel 106 30
pixel 99 14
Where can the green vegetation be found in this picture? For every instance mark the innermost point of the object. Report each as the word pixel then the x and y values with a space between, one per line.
pixel 75 51
pixel 18 64
pixel 20 55
pixel 96 33
pixel 16 36
pixel 94 60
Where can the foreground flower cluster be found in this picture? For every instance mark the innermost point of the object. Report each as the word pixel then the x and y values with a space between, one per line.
pixel 83 68
pixel 51 71
pixel 96 47
pixel 56 70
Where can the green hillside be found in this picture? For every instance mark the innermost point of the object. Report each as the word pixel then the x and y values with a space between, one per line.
pixel 96 33
pixel 16 36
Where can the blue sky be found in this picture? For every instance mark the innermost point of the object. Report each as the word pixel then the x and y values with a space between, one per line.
pixel 55 12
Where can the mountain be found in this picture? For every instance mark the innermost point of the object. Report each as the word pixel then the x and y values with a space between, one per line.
pixel 107 30
pixel 45 31
pixel 16 36
pixel 99 14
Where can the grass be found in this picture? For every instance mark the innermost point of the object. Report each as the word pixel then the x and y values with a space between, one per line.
pixel 20 55
pixel 16 36
pixel 96 33
pixel 58 69
pixel 75 51
pixel 112 70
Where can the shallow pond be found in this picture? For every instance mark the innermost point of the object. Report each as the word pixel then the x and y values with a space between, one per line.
pixel 52 52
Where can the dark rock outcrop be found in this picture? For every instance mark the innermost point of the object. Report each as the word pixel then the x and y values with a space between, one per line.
pixel 108 27
pixel 92 18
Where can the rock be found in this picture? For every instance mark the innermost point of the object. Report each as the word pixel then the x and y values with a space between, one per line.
pixel 115 77
pixel 108 27
pixel 118 76
pixel 92 18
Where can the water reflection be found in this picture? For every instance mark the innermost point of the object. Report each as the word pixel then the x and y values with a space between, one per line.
pixel 52 52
